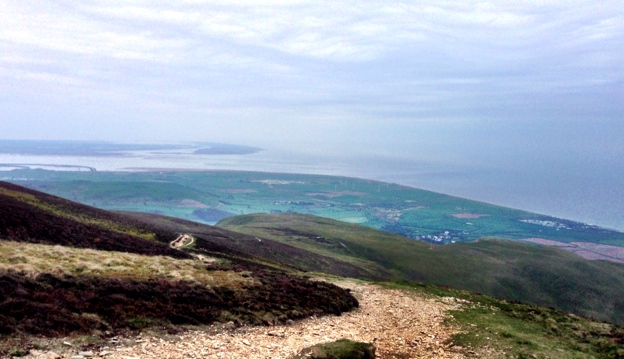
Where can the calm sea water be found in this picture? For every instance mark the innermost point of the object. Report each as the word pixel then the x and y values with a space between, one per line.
pixel 588 192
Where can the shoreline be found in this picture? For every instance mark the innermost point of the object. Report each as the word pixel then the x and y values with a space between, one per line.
pixel 596 209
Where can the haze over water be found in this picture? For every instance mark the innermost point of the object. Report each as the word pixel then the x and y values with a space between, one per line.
pixel 570 188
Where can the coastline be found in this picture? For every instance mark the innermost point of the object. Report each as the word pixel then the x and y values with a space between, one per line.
pixel 594 204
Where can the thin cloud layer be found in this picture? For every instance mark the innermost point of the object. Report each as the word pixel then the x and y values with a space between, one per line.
pixel 258 71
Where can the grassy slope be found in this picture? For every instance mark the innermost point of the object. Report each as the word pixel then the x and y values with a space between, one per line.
pixel 514 330
pixel 31 216
pixel 62 271
pixel 83 290
pixel 237 246
pixel 505 269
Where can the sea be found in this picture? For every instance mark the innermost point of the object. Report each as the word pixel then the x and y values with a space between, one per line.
pixel 591 193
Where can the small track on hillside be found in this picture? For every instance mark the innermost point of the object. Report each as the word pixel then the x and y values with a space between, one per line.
pixel 183 240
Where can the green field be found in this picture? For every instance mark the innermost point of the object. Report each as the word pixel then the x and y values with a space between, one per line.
pixel 208 197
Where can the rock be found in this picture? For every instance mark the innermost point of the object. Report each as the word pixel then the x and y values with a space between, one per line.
pixel 276 334
pixel 340 349
pixel 246 342
pixel 38 354
pixel 87 354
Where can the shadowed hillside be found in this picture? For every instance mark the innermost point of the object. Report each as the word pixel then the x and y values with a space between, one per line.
pixel 52 305
pixel 515 271
pixel 35 217
pixel 66 268
pixel 238 246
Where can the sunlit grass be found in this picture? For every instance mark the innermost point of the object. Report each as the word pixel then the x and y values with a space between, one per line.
pixel 34 259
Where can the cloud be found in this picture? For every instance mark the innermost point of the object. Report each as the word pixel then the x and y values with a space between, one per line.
pixel 307 61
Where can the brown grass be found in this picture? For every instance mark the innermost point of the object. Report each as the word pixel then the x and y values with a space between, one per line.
pixel 34 259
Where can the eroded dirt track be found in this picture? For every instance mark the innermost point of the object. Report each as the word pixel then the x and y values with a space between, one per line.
pixel 401 325
pixel 181 241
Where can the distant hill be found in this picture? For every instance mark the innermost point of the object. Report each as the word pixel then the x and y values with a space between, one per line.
pixel 516 271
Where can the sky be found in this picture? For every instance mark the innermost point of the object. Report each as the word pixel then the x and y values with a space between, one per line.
pixel 451 80
pixel 519 103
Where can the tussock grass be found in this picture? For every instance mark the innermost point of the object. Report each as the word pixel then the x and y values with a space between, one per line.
pixel 56 291
pixel 35 259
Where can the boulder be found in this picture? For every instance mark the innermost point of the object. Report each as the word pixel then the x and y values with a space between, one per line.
pixel 340 349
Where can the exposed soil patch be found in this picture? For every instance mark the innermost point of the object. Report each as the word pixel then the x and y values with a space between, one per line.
pixel 238 190
pixel 469 215
pixel 334 194
pixel 587 250
pixel 182 240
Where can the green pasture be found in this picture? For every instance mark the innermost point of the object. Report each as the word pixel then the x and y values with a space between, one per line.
pixel 411 212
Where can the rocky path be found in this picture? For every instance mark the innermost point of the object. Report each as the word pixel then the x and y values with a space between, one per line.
pixel 401 324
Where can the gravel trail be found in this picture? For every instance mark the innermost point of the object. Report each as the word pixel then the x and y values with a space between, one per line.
pixel 400 323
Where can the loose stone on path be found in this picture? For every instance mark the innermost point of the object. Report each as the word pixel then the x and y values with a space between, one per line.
pixel 396 321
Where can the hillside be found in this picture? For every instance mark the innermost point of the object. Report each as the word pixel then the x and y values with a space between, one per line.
pixel 68 269
pixel 77 279
pixel 235 246
pixel 35 217
pixel 529 273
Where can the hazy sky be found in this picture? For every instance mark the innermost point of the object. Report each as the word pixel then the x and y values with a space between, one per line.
pixel 421 75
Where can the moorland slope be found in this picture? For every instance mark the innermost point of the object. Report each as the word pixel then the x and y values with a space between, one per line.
pixel 67 269
pixel 515 271
pixel 99 278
